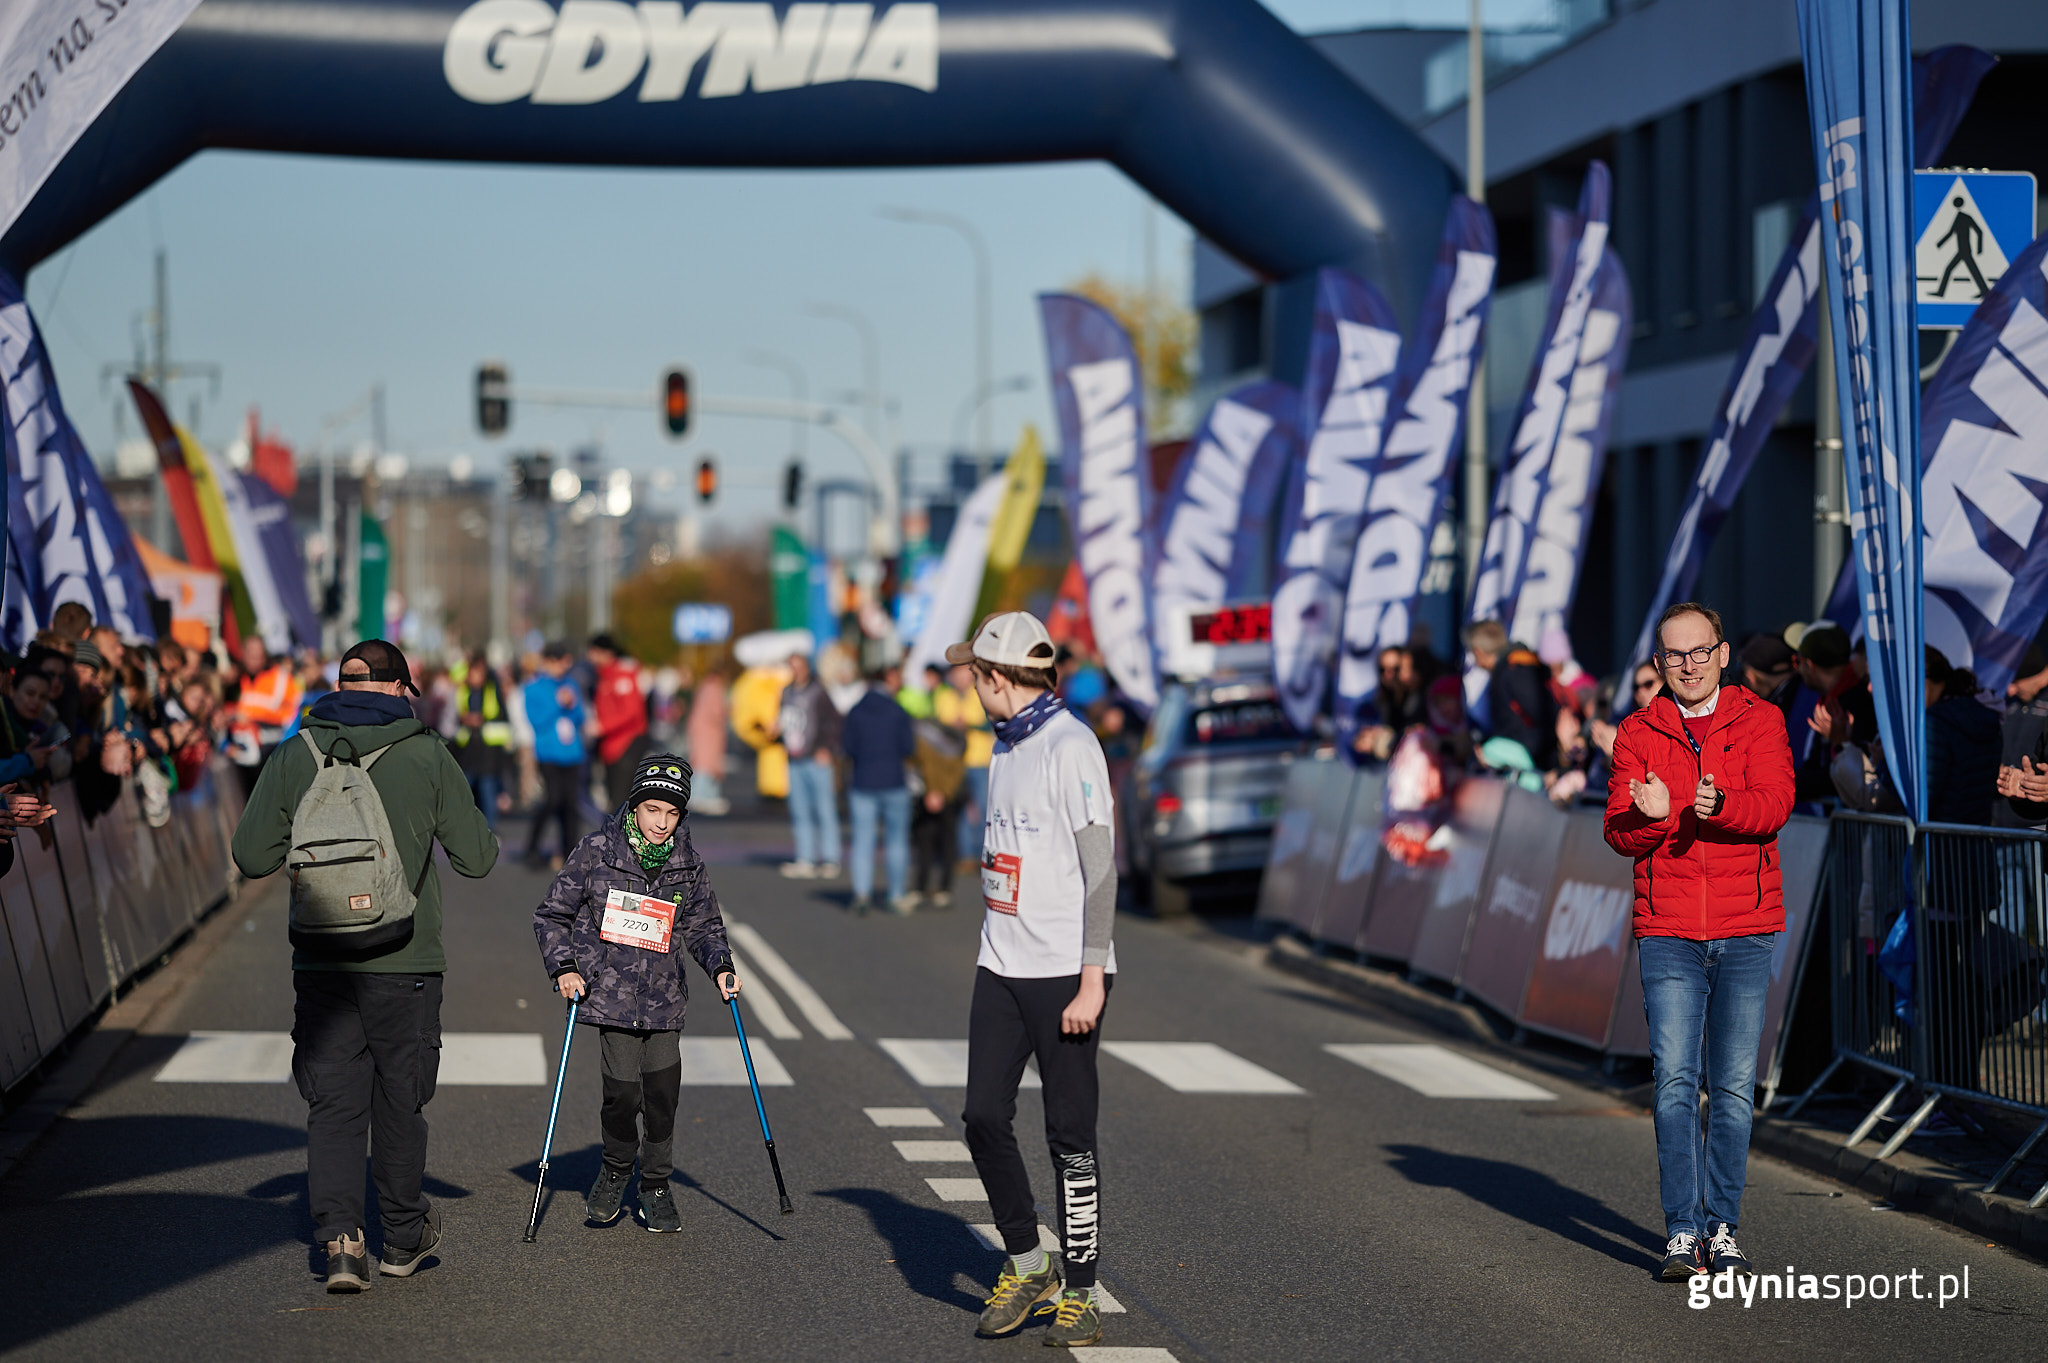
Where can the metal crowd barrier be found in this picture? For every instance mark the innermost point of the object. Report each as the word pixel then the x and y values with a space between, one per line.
pixel 84 912
pixel 1936 939
pixel 1519 904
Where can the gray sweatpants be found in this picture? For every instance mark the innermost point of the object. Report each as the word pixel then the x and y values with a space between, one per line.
pixel 643 1078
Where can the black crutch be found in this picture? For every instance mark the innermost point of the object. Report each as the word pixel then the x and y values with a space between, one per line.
pixel 547 1145
pixel 759 1111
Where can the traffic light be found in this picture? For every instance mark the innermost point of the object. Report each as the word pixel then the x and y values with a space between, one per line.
pixel 675 402
pixel 493 398
pixel 531 473
pixel 707 479
pixel 793 484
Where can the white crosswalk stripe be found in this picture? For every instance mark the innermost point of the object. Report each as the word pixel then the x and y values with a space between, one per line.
pixel 715 1062
pixel 902 1116
pixel 1436 1072
pixel 822 1019
pixel 481 1059
pixel 1198 1067
pixel 991 1238
pixel 939 1064
pixel 958 1189
pixel 934 1152
pixel 766 1009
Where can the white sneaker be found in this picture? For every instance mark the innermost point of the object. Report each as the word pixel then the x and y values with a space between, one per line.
pixel 799 870
pixel 828 871
pixel 904 905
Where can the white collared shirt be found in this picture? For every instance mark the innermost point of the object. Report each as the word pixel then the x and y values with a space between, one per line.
pixel 1706 707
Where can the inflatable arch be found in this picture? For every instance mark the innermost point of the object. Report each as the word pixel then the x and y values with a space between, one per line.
pixel 1213 106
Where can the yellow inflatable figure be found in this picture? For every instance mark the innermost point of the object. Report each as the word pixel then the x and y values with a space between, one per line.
pixel 756 700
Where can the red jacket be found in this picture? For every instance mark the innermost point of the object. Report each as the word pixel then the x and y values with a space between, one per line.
pixel 1705 878
pixel 621 709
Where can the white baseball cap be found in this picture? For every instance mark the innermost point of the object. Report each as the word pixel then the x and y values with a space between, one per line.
pixel 1014 638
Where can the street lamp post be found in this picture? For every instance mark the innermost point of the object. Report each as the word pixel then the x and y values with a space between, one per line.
pixel 800 388
pixel 982 344
pixel 870 358
pixel 977 403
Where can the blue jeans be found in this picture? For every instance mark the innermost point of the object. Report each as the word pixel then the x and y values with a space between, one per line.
pixel 894 808
pixel 1705 1003
pixel 814 811
pixel 484 786
pixel 973 810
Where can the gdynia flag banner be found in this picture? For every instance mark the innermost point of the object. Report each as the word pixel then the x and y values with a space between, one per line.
pixel 61 61
pixel 1857 55
pixel 1100 402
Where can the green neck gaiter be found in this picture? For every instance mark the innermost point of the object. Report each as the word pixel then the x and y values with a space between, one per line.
pixel 653 855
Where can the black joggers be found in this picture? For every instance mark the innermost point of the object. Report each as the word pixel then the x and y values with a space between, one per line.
pixel 643 1079
pixel 560 794
pixel 1012 1021
pixel 366 1054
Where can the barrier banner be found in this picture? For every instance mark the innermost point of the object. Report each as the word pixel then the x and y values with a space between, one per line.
pixel 1281 887
pixel 1509 926
pixel 88 921
pixel 1353 348
pixel 1802 852
pixel 65 540
pixel 1412 479
pixel 1782 339
pixel 1100 401
pixel 1217 512
pixel 1401 898
pixel 43 881
pixel 1983 431
pixel 19 1051
pixel 1354 840
pixel 1859 101
pixel 1440 938
pixel 1542 503
pixel 1576 976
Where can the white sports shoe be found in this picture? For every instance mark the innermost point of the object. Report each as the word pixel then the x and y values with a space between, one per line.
pixel 799 870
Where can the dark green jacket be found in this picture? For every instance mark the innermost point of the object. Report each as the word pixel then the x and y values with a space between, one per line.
pixel 425 796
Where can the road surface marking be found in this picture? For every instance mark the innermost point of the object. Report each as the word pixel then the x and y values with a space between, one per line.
pixel 767 1010
pixel 958 1189
pixel 823 1021
pixel 1437 1072
pixel 991 1238
pixel 939 1064
pixel 902 1116
pixel 1198 1067
pixel 495 1059
pixel 934 1152
pixel 714 1061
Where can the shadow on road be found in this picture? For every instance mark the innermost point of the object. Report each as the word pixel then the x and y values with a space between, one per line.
pixel 1532 1197
pixel 571 1172
pixel 931 1247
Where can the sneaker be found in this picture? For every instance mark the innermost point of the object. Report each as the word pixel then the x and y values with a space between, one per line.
pixel 1076 1320
pixel 657 1210
pixel 828 870
pixel 1011 1299
pixel 1725 1256
pixel 602 1206
pixel 941 899
pixel 348 1264
pixel 799 870
pixel 400 1263
pixel 903 905
pixel 1682 1258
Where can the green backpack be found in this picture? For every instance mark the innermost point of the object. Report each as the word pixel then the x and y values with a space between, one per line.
pixel 349 893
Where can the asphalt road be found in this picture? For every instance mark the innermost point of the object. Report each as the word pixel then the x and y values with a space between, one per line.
pixel 1340 1214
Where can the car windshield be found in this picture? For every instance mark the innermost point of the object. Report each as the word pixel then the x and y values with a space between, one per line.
pixel 1240 721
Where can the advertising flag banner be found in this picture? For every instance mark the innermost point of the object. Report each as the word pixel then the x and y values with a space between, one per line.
pixel 65 542
pixel 1412 480
pixel 1529 568
pixel 1859 102
pixel 373 576
pixel 1023 484
pixel 1353 349
pixel 1100 402
pixel 60 63
pixel 789 578
pixel 1984 479
pixel 1782 339
pixel 1213 544
pixel 950 614
pixel 270 520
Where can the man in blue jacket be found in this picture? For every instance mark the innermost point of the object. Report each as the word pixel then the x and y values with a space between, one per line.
pixel 555 710
pixel 877 741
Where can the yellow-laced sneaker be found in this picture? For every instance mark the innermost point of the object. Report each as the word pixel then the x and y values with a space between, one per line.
pixel 1075 1319
pixel 1011 1299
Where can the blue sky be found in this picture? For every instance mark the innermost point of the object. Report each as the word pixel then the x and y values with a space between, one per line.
pixel 308 279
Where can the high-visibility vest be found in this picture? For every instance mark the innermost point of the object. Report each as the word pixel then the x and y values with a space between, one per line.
pixel 497 730
pixel 270 699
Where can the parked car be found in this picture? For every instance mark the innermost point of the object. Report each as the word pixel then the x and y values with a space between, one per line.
pixel 1202 797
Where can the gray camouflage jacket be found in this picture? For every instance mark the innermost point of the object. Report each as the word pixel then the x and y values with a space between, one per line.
pixel 630 986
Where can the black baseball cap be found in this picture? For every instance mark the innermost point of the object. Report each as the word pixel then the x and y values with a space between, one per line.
pixel 384 660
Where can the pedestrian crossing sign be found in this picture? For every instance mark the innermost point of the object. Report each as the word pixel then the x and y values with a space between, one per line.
pixel 1969 225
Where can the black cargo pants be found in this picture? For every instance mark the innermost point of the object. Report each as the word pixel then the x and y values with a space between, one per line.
pixel 367 1052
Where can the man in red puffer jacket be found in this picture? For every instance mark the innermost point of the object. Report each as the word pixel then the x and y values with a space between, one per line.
pixel 1702 784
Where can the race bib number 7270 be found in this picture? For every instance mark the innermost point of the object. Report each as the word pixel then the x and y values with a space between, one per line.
pixel 1000 872
pixel 632 920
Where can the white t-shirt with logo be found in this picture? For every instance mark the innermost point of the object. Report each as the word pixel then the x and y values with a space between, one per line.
pixel 1040 794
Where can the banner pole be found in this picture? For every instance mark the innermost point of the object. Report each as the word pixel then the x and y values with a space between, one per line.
pixel 1478 504
pixel 1830 496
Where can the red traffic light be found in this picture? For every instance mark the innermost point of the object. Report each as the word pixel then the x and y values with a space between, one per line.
pixel 675 402
pixel 707 480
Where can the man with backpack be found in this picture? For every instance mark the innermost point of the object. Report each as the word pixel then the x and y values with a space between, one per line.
pixel 351 809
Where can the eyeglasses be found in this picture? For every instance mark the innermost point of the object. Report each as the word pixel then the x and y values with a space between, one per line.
pixel 1699 656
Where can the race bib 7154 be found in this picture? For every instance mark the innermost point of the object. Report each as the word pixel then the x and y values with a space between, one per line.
pixel 1000 872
